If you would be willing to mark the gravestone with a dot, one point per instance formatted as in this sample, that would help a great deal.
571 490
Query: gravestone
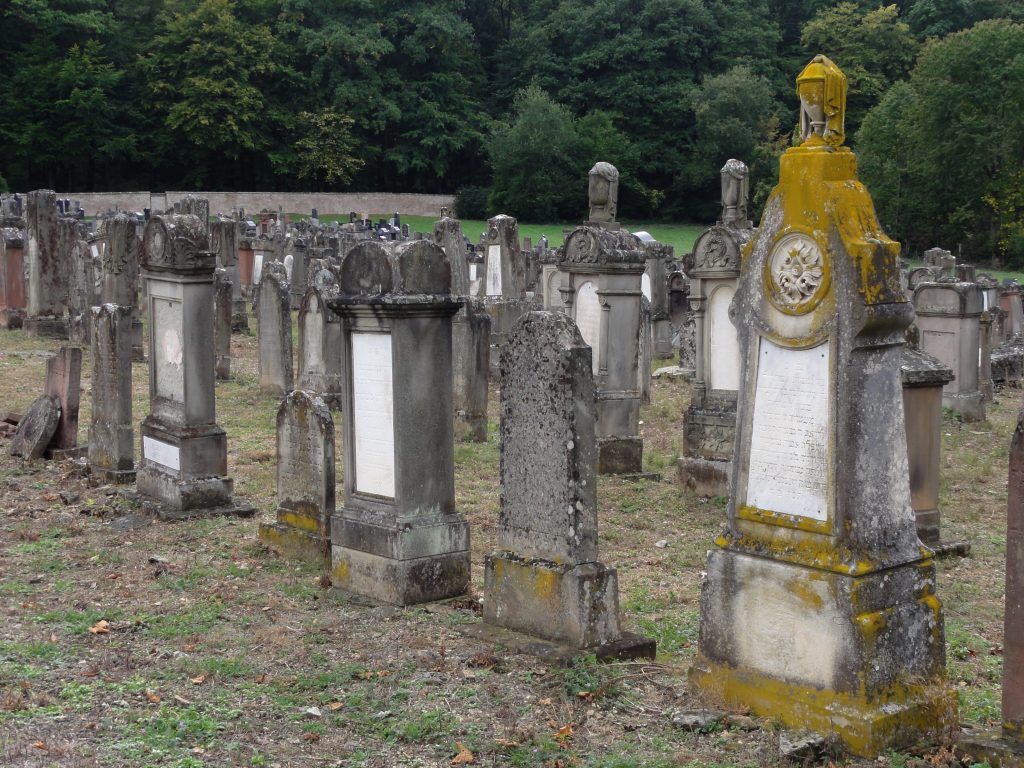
47 270
12 276
545 578
923 379
645 344
81 291
600 271
226 240
656 274
36 428
471 338
64 382
819 608
121 274
1013 627
321 347
709 430
246 264
184 451
223 311
274 325
111 438
191 205
949 318
305 479
300 268
398 537
503 280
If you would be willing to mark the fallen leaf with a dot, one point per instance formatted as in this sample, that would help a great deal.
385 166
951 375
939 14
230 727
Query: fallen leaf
585 695
334 706
198 679
464 757
101 627
39 745
153 697
506 743
90 673
261 679
564 732
545 702
310 736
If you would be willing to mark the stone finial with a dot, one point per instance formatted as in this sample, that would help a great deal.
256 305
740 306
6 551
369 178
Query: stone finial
735 190
821 87
603 192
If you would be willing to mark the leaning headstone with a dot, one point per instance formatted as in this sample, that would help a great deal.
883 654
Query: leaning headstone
305 479
819 608
398 537
222 315
111 436
545 578
274 325
184 451
47 273
36 428
64 382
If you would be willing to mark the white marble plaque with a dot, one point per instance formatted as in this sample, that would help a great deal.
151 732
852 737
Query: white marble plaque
373 414
588 319
494 270
645 285
257 267
472 273
723 346
788 471
170 352
164 454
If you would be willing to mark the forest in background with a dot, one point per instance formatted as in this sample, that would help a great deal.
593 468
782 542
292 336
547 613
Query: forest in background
509 102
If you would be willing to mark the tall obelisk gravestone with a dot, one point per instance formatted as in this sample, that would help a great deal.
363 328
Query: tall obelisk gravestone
819 606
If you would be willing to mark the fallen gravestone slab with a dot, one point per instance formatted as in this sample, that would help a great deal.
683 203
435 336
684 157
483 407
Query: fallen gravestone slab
36 428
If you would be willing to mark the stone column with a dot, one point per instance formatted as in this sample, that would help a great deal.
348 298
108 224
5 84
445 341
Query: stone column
274 325
111 438
923 379
949 318
47 272
819 608
223 305
184 451
545 578
600 288
305 480
398 537
12 277
985 385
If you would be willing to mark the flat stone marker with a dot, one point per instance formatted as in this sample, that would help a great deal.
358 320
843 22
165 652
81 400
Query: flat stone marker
36 428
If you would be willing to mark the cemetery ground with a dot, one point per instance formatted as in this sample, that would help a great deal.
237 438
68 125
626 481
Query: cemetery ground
129 642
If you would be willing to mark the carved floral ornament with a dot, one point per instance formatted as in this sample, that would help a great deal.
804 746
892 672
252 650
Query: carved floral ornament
716 249
796 274
176 244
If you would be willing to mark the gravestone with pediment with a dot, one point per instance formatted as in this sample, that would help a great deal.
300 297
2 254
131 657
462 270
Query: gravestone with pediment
398 537
184 452
709 430
819 607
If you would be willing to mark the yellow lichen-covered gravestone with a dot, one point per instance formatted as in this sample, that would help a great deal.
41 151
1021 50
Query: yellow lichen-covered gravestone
819 606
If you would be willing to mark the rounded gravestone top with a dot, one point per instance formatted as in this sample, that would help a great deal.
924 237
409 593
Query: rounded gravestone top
596 245
36 428
373 270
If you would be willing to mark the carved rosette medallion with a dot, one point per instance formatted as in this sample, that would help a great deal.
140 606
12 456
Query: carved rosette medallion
581 247
796 274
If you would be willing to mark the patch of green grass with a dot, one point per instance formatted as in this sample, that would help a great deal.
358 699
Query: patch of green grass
673 632
78 621
77 696
425 726
198 619
155 737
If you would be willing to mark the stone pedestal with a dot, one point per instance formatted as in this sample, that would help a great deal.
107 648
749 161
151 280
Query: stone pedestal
398 538
111 437
12 277
949 318
184 451
600 273
819 606
923 379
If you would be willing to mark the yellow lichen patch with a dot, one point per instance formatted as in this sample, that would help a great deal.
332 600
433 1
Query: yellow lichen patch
298 519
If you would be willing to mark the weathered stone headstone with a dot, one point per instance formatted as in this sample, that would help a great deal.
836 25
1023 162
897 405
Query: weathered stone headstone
398 537
321 347
36 428
1013 627
64 382
191 205
184 451
111 437
12 276
600 273
222 315
305 479
819 606
47 271
545 578
121 274
81 291
709 431
226 241
274 325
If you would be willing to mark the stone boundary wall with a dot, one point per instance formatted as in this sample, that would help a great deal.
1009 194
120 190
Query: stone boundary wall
372 203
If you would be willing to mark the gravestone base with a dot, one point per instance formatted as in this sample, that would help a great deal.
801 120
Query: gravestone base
627 647
993 749
928 525
239 317
407 562
62 454
171 515
46 327
620 455
471 427
104 476
291 538
12 319
970 405
860 657
705 477
663 349
576 605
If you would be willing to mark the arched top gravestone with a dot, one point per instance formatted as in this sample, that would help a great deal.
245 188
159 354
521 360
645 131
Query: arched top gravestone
375 271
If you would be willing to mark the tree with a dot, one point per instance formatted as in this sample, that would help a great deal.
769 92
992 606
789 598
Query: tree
874 48
323 151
